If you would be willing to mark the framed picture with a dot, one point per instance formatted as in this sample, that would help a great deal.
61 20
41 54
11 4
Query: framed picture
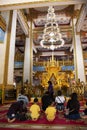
2 34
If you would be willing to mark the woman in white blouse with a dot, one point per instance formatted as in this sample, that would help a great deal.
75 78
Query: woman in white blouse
59 100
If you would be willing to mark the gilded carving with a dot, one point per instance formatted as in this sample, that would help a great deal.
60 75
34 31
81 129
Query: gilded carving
55 74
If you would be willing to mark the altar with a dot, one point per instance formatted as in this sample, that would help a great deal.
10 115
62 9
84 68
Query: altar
51 70
55 74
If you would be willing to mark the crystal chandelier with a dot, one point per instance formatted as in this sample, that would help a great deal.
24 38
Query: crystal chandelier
52 37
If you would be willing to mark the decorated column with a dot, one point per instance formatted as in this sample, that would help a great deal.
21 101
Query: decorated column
12 48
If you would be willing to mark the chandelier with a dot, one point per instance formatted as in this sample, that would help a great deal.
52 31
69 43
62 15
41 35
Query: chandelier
52 38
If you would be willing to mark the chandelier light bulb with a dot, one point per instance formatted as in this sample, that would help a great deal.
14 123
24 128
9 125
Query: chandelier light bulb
51 34
51 40
52 47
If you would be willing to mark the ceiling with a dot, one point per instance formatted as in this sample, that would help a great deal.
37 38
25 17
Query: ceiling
64 16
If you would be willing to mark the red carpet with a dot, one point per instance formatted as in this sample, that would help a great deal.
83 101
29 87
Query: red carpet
15 129
59 120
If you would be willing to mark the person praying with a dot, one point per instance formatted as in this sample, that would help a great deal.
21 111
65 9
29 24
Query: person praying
50 89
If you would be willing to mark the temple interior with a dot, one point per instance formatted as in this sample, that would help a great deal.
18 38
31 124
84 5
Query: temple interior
42 41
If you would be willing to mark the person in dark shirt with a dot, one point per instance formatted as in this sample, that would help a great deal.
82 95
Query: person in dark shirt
85 110
15 110
45 100
73 106
50 89
84 113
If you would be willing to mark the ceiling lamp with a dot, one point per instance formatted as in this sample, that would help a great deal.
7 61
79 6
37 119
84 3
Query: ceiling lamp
52 37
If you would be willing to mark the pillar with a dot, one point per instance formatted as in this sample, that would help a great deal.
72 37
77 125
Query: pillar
10 75
26 71
3 47
79 61
28 57
31 52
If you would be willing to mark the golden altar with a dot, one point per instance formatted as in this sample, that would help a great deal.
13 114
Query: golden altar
54 73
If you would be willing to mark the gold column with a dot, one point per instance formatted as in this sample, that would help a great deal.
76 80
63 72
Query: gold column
5 75
7 49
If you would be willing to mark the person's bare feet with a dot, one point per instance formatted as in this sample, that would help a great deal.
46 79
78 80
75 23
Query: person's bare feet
11 120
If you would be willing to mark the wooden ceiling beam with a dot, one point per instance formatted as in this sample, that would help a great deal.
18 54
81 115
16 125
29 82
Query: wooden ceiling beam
23 22
62 28
21 4
2 23
81 18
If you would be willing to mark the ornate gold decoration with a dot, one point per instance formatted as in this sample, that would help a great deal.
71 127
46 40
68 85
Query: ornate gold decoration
78 87
54 73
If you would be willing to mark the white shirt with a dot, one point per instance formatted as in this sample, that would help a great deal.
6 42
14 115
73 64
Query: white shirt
60 99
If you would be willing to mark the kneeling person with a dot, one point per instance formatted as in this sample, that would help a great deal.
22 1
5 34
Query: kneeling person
50 112
35 110
15 111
